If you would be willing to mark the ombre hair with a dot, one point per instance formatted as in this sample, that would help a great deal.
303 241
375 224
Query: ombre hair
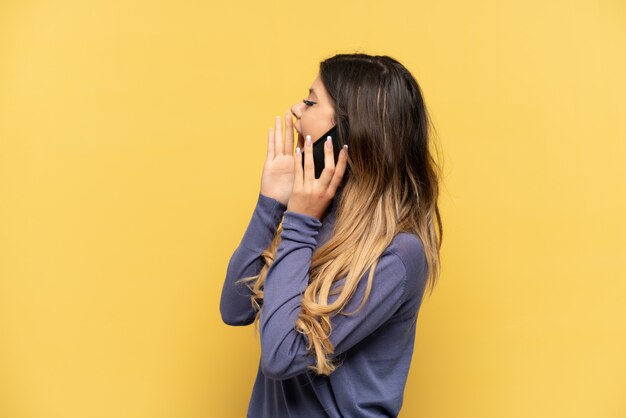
391 186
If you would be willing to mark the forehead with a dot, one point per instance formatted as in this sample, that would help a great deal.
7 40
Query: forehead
317 88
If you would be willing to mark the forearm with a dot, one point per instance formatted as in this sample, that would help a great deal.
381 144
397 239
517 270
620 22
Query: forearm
246 261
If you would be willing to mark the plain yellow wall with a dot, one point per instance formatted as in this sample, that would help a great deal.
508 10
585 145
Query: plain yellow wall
132 139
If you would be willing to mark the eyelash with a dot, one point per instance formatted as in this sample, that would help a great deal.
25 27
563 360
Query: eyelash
308 102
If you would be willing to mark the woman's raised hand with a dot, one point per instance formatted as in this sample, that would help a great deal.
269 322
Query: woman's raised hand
311 196
278 171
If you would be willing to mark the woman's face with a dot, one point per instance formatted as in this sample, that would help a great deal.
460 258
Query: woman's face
316 117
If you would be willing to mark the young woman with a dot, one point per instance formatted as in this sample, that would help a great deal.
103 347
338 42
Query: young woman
333 267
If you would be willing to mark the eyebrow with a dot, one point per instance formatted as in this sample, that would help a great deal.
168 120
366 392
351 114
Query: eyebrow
312 92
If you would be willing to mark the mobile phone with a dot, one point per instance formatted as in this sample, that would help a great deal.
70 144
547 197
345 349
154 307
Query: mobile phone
318 150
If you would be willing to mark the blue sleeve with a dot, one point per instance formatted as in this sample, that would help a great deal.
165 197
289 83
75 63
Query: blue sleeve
284 351
235 304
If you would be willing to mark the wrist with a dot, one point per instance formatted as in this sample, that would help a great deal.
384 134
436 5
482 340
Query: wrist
302 213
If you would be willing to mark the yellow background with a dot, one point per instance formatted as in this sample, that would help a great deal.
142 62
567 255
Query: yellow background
132 139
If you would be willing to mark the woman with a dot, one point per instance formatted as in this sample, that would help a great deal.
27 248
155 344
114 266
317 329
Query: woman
334 268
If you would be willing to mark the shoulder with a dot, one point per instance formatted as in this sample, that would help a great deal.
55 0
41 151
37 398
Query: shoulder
409 249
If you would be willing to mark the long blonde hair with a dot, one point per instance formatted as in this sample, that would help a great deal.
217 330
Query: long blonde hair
391 186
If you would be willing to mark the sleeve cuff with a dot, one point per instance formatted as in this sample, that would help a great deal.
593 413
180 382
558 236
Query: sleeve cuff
301 228
270 203
266 217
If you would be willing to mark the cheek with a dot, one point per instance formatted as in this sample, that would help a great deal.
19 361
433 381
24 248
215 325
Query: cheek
307 122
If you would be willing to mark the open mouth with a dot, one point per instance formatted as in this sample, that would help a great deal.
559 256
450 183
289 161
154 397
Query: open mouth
300 141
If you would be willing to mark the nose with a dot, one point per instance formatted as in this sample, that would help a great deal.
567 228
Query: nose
296 110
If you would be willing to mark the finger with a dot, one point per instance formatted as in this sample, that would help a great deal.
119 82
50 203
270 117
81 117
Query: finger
309 165
298 168
278 136
329 162
270 144
342 162
288 132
